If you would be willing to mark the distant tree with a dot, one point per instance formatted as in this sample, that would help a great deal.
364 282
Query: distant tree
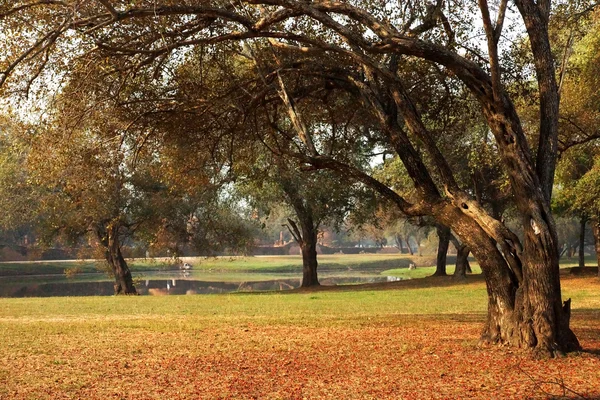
16 198
577 39
313 199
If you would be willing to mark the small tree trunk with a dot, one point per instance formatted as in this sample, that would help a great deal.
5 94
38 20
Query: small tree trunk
582 224
309 252
462 258
309 265
596 231
123 279
410 250
306 237
563 249
462 262
571 250
443 233
398 241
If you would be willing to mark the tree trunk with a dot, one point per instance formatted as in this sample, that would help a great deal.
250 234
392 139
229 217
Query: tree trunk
582 224
309 264
596 231
462 259
524 295
571 250
410 250
524 306
398 241
306 237
309 251
443 233
122 274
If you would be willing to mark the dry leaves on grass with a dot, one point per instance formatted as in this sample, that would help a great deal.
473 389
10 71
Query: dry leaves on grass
411 357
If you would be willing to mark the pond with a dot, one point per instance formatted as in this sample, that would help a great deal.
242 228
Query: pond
175 282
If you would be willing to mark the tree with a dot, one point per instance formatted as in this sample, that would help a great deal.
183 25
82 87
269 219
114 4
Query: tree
313 199
579 119
16 198
366 51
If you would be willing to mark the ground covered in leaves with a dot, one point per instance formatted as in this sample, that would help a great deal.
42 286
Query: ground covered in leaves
403 342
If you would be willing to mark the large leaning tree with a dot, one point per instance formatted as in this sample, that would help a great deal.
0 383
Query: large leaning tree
372 43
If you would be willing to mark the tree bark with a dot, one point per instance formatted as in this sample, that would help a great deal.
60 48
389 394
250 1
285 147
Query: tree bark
309 257
443 233
122 274
582 223
523 311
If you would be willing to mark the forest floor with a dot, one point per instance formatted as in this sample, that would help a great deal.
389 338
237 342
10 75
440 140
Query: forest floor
411 339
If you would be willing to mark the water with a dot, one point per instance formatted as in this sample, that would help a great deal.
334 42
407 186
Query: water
174 282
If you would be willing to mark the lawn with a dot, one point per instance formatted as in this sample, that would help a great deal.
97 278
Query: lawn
414 339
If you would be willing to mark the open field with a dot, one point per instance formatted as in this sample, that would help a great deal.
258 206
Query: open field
413 339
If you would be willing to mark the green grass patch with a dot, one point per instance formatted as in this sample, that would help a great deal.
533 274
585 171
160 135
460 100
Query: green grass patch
266 308
237 264
422 272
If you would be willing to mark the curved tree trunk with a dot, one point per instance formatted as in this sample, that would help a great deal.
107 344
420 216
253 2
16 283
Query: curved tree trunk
524 306
122 274
524 296
443 233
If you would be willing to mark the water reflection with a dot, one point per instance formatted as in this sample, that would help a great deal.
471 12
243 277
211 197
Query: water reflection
169 286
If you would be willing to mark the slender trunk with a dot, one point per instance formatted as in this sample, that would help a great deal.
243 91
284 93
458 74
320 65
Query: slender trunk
398 241
563 249
571 250
596 231
443 233
410 250
582 224
123 279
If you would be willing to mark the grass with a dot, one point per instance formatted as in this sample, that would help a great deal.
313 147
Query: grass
409 339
